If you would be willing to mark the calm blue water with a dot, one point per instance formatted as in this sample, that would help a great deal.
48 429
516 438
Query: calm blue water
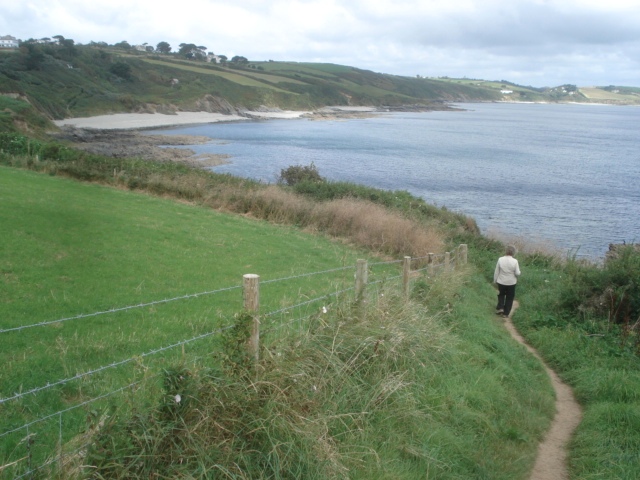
565 174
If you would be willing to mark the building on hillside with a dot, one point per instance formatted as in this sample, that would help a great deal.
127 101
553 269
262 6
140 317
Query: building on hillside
213 58
7 41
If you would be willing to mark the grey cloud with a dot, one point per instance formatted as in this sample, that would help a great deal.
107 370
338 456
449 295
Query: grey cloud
545 42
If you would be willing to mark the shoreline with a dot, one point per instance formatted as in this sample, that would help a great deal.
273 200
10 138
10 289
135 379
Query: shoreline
122 135
149 121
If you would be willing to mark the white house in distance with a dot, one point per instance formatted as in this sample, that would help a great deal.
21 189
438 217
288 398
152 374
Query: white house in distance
7 41
213 58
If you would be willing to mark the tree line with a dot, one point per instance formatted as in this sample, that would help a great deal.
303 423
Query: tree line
189 51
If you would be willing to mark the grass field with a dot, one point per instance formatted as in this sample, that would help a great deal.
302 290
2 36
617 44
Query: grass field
248 80
70 248
604 95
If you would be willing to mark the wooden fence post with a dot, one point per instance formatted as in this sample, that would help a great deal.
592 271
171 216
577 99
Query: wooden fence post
406 273
447 261
430 266
463 253
361 279
251 294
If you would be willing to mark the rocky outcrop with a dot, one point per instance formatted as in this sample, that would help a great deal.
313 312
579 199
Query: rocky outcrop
212 104
132 144
165 109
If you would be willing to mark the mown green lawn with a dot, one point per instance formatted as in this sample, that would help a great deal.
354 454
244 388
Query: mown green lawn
70 248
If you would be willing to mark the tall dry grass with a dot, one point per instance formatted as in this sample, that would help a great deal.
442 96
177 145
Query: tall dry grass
360 222
375 227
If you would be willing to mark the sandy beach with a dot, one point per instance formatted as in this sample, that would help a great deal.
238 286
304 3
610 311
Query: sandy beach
129 121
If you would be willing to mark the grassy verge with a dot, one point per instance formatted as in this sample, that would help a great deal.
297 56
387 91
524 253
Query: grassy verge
362 221
430 388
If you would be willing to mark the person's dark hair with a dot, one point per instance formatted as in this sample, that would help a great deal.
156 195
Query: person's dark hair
511 250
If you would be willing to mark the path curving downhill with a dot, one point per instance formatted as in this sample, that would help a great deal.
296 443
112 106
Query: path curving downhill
551 462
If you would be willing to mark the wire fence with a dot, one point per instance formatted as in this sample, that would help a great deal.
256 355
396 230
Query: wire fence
33 445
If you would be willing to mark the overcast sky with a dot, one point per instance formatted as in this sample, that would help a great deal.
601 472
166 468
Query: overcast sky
530 42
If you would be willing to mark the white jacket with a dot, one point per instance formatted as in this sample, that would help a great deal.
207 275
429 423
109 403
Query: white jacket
507 271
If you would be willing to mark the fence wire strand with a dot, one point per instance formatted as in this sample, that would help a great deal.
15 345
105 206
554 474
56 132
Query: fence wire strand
302 275
390 262
275 312
121 309
66 410
112 365
167 300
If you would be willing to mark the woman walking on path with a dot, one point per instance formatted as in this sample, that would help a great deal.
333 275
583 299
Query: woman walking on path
506 276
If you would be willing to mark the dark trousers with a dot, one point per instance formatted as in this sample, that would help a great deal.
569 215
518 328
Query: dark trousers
506 294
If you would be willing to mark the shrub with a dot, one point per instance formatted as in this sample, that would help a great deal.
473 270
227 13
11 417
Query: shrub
121 69
611 290
18 144
300 173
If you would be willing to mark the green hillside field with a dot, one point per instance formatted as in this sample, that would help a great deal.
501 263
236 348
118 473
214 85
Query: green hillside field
470 402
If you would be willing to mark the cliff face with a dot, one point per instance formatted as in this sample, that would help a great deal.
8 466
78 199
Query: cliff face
207 103
212 104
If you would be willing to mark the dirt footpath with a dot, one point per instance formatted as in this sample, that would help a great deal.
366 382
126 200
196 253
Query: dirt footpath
551 463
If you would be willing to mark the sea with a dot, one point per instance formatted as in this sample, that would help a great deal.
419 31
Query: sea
560 176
